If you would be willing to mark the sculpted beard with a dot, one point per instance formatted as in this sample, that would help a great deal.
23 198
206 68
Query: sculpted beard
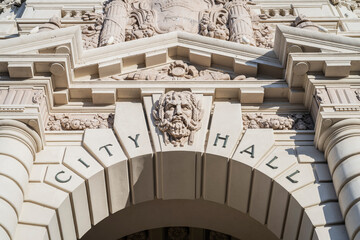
179 127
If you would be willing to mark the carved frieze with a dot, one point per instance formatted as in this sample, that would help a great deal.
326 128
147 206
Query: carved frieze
58 122
286 122
178 116
179 70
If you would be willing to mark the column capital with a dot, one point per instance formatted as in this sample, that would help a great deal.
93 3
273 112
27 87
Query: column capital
334 123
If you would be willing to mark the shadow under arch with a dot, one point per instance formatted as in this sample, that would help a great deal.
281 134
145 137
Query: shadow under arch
167 213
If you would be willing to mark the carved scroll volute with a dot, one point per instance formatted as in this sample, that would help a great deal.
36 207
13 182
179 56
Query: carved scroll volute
114 24
240 23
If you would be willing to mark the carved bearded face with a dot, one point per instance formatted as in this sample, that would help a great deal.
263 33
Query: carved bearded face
178 116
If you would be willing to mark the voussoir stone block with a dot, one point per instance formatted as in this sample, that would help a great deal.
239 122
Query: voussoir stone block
82 163
51 197
23 232
103 145
133 136
291 180
63 178
276 163
225 132
34 214
248 153
308 196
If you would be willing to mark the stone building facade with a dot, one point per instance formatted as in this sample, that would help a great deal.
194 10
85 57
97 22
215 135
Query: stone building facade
179 120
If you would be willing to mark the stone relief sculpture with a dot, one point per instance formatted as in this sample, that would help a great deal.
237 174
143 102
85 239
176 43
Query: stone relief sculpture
349 4
60 122
178 70
91 32
288 122
178 116
321 96
231 20
9 8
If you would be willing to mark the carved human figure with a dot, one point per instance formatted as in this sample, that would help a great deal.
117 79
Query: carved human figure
178 116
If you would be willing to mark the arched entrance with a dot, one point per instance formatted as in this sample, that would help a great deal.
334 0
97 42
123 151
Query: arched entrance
253 184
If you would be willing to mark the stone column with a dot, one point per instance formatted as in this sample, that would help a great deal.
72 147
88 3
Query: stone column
18 146
240 23
114 24
341 146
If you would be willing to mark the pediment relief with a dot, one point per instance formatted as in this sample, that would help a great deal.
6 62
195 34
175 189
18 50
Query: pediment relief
129 20
180 71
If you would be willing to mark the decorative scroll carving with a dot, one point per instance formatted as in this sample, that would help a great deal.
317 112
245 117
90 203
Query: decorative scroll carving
178 116
214 24
91 32
38 96
60 122
114 23
140 23
178 70
288 122
178 233
137 236
53 24
218 236
303 22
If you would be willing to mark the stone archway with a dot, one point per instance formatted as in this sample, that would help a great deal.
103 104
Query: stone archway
263 182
